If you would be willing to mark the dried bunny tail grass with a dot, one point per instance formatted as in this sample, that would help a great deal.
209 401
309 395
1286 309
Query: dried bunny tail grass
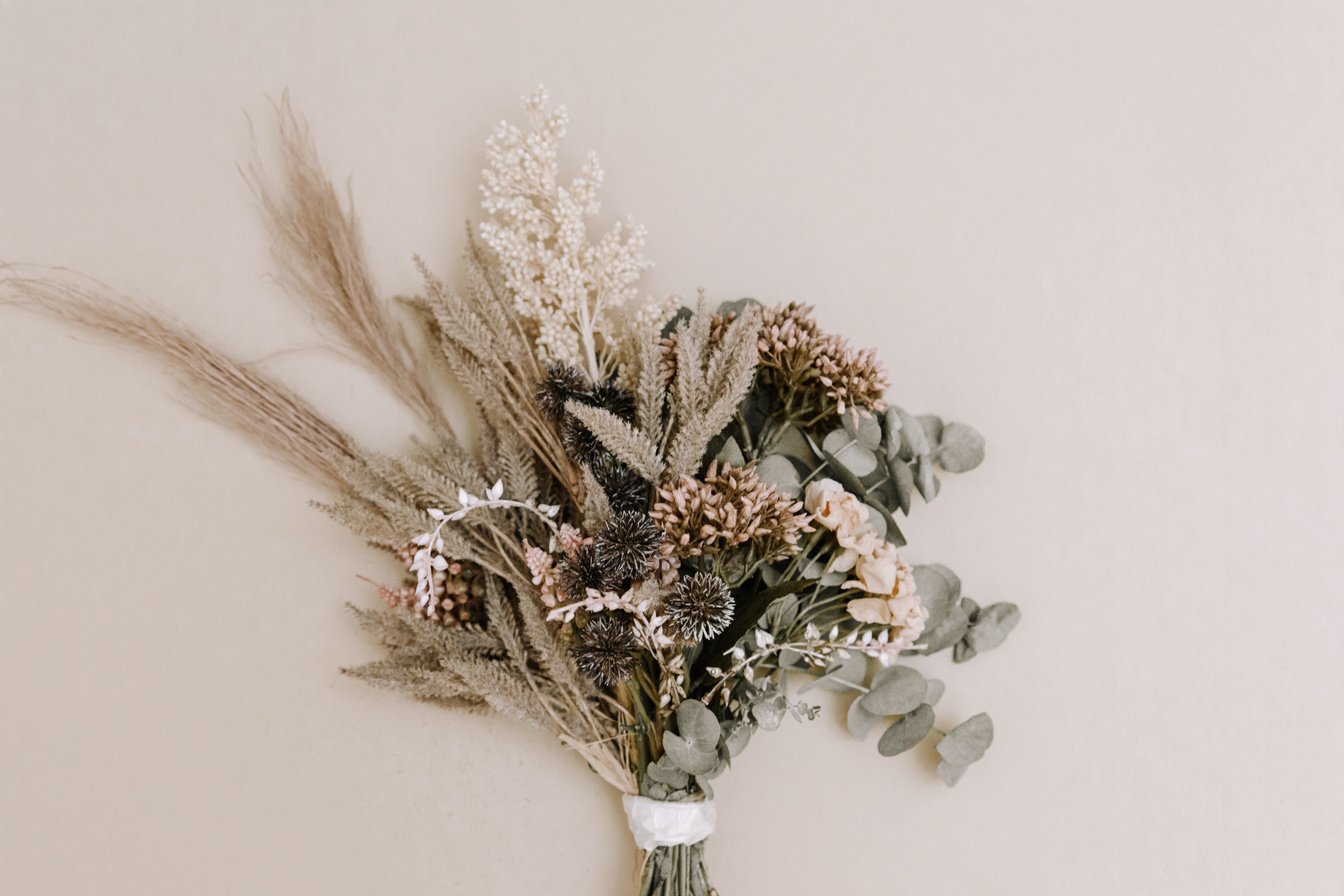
321 257
234 393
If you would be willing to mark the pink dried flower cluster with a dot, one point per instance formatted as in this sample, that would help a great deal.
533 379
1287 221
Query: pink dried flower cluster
818 372
730 506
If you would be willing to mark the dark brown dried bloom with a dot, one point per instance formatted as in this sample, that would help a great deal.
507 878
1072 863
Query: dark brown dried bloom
701 606
607 649
731 506
625 489
575 574
563 383
579 442
627 544
611 397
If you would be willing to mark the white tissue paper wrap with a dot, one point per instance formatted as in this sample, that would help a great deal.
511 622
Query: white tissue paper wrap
657 823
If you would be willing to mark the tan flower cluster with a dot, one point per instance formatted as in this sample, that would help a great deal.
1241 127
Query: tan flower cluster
731 506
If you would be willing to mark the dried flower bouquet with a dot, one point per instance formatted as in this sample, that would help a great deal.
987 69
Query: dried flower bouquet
673 514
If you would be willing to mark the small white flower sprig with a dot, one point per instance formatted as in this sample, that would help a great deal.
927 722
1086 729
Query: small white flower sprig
650 628
815 649
430 558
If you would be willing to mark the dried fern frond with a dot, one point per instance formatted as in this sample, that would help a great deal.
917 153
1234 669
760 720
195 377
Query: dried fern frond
631 447
321 257
223 388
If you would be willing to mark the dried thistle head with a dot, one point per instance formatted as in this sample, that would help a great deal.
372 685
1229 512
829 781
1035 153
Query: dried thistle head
563 383
611 397
577 573
607 649
731 506
701 606
625 489
627 545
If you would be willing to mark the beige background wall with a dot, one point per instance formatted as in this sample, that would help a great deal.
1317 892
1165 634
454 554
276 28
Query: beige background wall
1110 235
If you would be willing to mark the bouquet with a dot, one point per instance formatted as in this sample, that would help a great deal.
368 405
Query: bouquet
676 520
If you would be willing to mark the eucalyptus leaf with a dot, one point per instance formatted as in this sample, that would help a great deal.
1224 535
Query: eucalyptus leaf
967 742
895 690
731 453
877 518
937 592
666 772
891 428
992 626
907 731
833 578
914 440
933 429
891 531
860 721
792 659
903 482
950 774
737 306
952 578
792 443
960 449
926 480
690 759
736 735
867 431
770 712
963 652
851 455
971 607
949 630
934 692
779 471
697 724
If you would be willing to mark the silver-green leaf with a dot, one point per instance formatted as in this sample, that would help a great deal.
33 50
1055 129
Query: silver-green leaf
895 690
967 742
907 731
961 448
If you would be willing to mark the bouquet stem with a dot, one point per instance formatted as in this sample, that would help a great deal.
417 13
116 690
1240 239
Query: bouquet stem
676 871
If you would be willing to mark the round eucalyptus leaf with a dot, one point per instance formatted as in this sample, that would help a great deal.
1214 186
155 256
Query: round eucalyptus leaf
736 737
950 774
967 742
936 592
926 480
779 471
698 726
907 731
992 626
934 692
963 652
903 481
666 772
972 609
877 518
847 452
737 306
947 632
690 759
867 431
731 454
895 690
860 721
891 428
961 448
933 429
769 713
914 440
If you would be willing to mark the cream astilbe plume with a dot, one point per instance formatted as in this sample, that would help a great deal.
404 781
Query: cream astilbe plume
571 289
